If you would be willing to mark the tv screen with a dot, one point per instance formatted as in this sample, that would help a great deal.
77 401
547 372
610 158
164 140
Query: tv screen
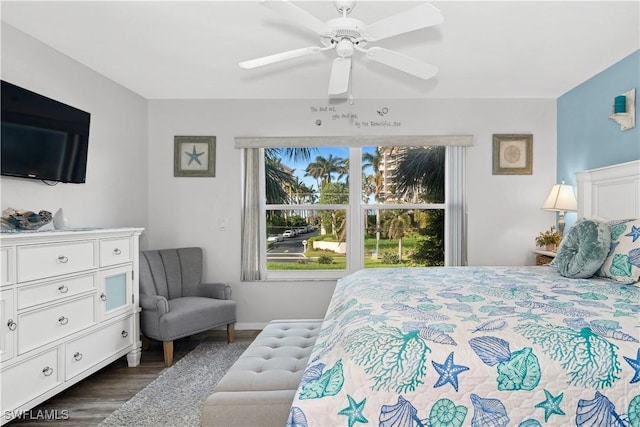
42 138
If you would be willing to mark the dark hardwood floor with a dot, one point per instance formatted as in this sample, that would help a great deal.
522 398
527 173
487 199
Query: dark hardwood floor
93 399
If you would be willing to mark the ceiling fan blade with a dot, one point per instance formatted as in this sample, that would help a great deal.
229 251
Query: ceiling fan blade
278 57
422 16
298 16
402 62
340 73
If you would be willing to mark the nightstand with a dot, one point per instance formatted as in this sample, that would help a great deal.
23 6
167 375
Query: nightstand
544 257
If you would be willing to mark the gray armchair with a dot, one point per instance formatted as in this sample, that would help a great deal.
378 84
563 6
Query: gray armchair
175 303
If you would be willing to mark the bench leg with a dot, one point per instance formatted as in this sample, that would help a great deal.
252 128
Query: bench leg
230 329
167 347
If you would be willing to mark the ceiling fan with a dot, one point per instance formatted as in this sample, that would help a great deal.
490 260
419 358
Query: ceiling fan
347 35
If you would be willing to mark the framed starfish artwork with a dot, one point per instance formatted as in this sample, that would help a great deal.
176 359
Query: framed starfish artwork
512 154
194 156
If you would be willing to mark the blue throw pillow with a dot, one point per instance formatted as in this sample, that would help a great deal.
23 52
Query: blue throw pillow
583 249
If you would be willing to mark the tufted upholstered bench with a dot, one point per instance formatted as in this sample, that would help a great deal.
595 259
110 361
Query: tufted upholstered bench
259 388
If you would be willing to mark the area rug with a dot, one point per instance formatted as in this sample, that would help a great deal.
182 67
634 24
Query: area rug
175 398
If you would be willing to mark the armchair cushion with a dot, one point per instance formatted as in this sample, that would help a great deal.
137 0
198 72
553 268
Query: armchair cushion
190 315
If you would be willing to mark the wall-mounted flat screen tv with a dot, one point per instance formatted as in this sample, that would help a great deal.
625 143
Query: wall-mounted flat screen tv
42 138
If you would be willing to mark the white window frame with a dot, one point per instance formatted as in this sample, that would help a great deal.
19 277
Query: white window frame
454 206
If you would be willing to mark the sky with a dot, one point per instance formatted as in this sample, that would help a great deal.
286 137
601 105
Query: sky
300 166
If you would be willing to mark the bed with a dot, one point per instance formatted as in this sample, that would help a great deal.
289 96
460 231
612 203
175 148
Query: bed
484 346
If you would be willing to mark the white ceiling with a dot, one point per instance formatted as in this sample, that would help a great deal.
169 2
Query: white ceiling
180 49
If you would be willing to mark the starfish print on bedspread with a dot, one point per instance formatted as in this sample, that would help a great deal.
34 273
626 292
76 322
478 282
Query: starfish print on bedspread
448 372
635 364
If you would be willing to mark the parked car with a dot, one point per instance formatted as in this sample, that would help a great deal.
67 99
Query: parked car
275 238
288 233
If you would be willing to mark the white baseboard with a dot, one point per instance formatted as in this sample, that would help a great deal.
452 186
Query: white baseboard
244 326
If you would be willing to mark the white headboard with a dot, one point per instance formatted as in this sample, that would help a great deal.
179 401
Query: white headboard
611 192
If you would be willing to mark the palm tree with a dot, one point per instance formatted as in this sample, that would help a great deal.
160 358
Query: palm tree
421 172
373 160
333 193
343 171
323 169
368 187
377 184
277 180
277 176
300 193
291 153
397 230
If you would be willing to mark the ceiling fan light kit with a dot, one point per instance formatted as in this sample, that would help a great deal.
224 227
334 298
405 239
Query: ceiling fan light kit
346 35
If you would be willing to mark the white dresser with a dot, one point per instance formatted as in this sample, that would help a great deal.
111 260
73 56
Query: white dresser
68 307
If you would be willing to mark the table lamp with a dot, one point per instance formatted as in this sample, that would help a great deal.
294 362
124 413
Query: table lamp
561 199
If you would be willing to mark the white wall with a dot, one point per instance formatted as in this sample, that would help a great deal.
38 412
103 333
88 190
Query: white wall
504 211
115 194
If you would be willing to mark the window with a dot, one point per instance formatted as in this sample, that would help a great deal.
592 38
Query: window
306 208
325 211
404 192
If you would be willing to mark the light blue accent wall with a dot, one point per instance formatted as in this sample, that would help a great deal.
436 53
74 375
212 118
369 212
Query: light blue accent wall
587 138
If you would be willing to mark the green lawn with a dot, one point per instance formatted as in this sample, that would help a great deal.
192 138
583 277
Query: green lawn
339 260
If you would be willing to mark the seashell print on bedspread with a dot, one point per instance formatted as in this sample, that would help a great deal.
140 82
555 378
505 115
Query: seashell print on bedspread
474 346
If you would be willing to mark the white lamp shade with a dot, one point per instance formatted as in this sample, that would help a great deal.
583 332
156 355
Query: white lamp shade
561 198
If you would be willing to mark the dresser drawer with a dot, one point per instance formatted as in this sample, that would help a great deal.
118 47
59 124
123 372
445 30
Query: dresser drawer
39 327
29 379
29 296
85 352
37 262
115 251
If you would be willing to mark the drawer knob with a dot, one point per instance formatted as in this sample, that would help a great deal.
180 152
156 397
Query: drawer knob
103 297
47 371
77 356
63 289
117 251
12 325
63 320
63 259
124 334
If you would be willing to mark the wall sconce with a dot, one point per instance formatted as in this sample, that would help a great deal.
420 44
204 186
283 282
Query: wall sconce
624 110
561 199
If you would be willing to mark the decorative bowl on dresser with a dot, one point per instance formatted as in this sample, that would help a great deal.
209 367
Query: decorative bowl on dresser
68 307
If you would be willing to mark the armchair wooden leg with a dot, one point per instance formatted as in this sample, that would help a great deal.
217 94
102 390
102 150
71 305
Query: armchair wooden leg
167 347
146 343
230 329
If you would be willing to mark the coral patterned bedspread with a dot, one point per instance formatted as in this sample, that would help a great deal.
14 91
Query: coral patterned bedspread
478 346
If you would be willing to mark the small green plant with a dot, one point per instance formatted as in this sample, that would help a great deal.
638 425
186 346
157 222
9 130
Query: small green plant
390 258
549 237
325 259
